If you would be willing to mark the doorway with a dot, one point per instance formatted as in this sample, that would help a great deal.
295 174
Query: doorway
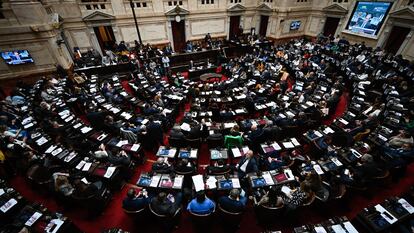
264 19
234 27
105 36
331 25
178 31
396 38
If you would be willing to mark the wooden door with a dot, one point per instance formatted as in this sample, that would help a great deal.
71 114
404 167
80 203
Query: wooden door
264 19
178 31
331 25
105 36
396 38
234 26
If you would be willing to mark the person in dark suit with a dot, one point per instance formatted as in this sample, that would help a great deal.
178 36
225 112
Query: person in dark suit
177 134
363 173
234 202
195 132
184 166
154 132
247 165
164 204
255 133
134 201
162 166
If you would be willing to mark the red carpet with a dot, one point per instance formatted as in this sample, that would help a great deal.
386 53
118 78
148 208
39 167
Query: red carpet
113 216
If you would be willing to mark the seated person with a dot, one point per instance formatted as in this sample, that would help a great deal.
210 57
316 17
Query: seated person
363 173
201 204
406 151
177 134
164 204
255 133
247 165
235 130
402 138
120 158
162 166
62 184
111 126
272 198
313 180
275 161
134 201
234 202
296 197
184 166
87 190
218 167
101 153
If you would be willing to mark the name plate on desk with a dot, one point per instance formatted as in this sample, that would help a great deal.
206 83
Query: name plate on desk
8 205
41 141
386 215
407 206
33 219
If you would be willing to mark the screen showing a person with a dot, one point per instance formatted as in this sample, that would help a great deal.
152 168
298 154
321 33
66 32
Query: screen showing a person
368 17
17 57
295 25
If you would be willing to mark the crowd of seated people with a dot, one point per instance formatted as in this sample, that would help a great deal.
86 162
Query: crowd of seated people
283 96
290 91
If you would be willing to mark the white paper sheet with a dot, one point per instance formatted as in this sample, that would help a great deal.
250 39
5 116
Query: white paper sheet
86 167
109 172
211 182
155 180
135 147
236 182
198 182
406 205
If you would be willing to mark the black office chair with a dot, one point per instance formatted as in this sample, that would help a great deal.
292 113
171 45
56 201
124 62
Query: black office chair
214 142
230 220
266 215
165 222
194 143
202 222
176 142
137 214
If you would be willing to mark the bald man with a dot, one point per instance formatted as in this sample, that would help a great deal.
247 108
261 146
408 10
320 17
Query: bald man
247 165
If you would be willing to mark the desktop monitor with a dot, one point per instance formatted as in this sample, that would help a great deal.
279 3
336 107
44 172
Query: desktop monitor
17 57
368 17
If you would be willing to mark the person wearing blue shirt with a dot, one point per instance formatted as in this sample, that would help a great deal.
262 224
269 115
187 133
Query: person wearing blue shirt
234 202
201 204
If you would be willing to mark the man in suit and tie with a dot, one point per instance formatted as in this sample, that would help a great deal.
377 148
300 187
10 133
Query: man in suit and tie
247 165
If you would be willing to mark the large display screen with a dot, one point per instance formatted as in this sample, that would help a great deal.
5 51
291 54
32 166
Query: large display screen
368 17
295 25
17 57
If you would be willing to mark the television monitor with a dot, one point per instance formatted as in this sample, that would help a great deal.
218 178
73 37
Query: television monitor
368 17
17 57
295 25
